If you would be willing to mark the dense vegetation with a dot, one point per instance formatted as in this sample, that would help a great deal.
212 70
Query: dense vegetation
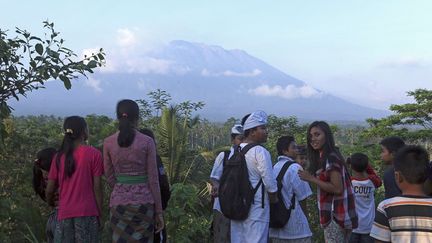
188 146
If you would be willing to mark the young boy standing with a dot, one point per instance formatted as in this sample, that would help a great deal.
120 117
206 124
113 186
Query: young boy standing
297 228
389 147
364 189
408 217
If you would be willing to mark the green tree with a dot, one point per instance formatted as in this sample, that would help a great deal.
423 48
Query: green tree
27 62
412 121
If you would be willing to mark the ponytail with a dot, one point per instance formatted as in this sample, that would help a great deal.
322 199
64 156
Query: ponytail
75 129
127 115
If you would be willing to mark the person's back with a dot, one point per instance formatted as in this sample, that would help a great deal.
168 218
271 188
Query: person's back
76 192
364 189
406 218
77 170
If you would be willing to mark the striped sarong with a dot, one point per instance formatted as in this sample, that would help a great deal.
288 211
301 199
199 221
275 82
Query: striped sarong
51 226
132 223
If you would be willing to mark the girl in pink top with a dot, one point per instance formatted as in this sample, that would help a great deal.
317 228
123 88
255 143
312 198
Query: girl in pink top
131 170
76 170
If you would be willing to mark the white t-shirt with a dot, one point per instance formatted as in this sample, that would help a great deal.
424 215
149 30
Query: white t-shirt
297 226
364 190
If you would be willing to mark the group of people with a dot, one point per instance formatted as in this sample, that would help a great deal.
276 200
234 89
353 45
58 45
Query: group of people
345 189
70 180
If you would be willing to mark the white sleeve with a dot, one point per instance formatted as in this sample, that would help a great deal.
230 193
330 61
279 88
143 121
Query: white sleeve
265 168
301 188
217 170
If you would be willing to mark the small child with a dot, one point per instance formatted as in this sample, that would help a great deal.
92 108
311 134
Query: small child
408 217
364 189
389 147
301 157
41 169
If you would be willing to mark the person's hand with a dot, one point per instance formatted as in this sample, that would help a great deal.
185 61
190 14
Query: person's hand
159 224
214 189
305 175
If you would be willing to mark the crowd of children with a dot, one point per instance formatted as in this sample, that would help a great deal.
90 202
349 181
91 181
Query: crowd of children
250 193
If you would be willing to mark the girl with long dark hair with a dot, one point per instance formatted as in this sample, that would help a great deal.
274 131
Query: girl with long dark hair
41 168
335 195
131 170
76 171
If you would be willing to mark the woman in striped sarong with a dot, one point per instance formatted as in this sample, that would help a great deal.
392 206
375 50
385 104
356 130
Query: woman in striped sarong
131 170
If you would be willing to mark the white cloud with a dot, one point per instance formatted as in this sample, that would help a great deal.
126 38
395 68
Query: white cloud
94 84
404 62
126 37
288 92
229 73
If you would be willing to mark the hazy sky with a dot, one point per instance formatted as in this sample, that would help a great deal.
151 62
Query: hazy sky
370 52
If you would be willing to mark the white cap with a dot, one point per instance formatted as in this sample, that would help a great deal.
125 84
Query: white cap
237 129
256 119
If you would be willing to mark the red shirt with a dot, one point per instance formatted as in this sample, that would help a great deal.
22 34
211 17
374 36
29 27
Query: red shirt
77 198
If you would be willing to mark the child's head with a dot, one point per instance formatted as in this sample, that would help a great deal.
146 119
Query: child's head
286 145
127 115
358 162
41 167
389 147
75 131
411 165
237 134
301 157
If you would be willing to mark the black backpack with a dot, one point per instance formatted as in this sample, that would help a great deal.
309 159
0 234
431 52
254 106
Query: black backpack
279 214
236 193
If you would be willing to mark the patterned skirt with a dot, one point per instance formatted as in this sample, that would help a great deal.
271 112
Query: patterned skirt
51 226
132 223
77 230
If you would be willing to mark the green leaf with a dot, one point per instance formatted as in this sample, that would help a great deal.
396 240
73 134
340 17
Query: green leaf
92 64
66 81
39 48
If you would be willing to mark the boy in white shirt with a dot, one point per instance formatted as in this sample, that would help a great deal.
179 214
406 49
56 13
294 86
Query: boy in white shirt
364 190
297 228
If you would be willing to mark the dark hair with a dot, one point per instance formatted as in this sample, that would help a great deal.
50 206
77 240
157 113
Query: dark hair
329 146
412 162
393 143
358 161
127 115
42 162
74 129
283 143
301 150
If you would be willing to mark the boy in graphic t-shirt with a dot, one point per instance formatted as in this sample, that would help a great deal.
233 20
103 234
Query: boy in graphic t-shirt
364 181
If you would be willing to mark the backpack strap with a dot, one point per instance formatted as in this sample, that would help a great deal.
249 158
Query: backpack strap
248 146
225 158
279 178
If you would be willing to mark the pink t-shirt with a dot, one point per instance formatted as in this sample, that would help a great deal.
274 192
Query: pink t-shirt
77 198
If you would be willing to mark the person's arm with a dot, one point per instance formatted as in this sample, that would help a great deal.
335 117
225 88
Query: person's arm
373 176
153 181
49 192
334 186
265 168
108 166
300 188
216 173
98 192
